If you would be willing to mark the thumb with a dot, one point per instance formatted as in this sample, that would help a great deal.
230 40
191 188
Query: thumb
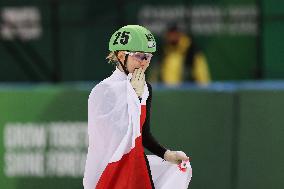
181 155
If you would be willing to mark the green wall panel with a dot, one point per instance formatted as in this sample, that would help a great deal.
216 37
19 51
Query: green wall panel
182 120
235 137
40 105
261 140
201 124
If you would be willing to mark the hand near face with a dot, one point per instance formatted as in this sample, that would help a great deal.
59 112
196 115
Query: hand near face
138 81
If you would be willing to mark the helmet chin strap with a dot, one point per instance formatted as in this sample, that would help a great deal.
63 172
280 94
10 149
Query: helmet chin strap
123 65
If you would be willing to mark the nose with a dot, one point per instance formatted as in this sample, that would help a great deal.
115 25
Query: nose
144 62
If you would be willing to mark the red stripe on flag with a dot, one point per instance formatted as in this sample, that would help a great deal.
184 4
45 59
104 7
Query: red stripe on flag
130 172
142 116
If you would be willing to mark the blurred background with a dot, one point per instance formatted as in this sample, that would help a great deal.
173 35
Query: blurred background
217 79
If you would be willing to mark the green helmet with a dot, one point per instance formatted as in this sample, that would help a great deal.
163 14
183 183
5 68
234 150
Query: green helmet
132 38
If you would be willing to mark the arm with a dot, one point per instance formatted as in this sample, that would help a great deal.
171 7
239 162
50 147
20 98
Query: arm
151 144
148 140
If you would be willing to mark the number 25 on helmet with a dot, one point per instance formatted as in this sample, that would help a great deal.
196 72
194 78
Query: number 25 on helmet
132 38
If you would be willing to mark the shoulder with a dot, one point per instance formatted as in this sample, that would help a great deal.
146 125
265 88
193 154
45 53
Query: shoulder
103 86
102 90
102 99
100 87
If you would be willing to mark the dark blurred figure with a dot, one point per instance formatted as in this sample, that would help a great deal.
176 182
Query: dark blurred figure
180 60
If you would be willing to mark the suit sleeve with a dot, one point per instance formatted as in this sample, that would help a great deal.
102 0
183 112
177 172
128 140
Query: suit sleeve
148 140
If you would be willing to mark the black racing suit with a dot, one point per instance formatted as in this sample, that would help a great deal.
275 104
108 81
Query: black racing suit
148 140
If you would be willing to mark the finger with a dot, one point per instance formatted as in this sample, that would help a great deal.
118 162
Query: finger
140 70
144 68
143 78
139 74
183 158
135 72
182 155
134 75
179 161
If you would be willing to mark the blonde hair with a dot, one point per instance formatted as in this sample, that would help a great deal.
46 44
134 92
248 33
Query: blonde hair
112 58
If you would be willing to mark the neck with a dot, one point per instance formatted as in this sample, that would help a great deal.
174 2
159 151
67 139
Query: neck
120 68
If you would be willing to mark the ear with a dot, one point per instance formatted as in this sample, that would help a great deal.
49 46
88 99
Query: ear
121 56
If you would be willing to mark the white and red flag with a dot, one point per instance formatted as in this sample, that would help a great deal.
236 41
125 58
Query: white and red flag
115 158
